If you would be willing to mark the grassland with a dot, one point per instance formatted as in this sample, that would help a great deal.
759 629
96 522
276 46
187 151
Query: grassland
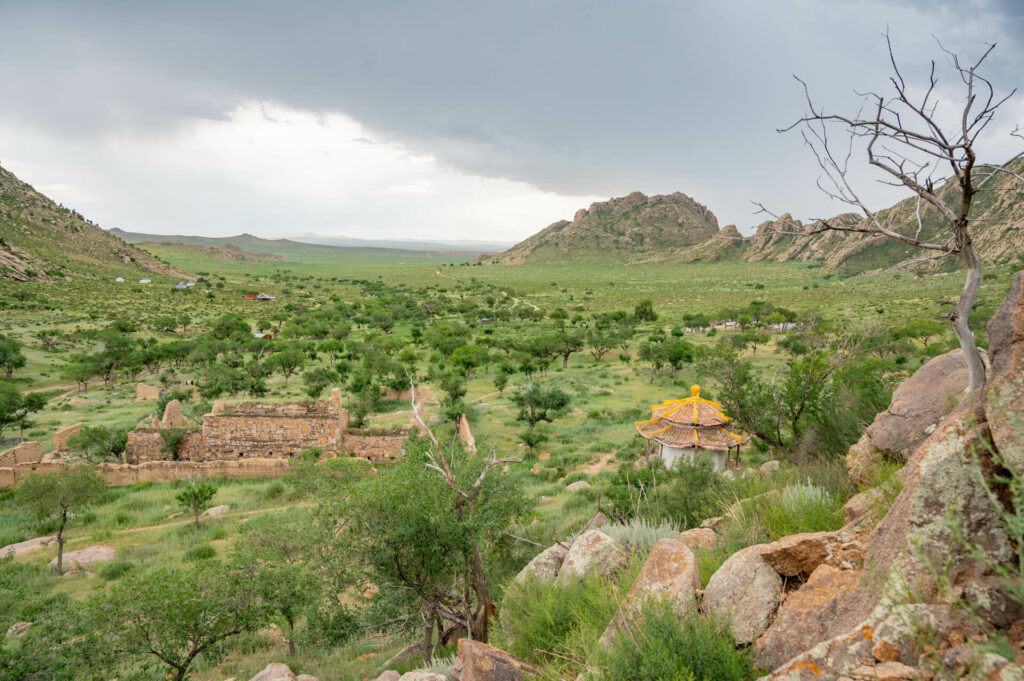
144 523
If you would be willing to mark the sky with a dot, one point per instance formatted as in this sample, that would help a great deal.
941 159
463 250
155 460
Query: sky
471 120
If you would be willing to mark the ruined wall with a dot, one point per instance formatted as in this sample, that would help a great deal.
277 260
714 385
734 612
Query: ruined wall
169 471
144 445
235 436
25 452
375 446
11 476
61 437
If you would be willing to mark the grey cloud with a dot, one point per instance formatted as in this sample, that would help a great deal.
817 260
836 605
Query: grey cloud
587 97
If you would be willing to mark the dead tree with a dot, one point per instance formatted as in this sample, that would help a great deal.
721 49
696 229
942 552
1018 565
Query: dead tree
915 146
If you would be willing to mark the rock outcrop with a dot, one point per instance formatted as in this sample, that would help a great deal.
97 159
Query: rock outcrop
746 591
545 565
86 557
593 552
947 495
918 404
476 661
669 573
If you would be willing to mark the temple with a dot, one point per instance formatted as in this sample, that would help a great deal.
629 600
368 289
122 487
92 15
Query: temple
690 427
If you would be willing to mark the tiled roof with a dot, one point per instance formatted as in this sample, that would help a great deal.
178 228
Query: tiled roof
690 422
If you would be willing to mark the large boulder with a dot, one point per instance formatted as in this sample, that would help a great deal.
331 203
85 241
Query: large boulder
86 557
422 675
1004 407
545 565
669 573
800 554
145 392
746 591
389 675
946 494
478 661
25 546
918 404
807 612
592 552
275 671
698 538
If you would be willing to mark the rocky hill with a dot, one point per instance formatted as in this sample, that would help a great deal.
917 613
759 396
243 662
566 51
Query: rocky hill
227 252
40 240
998 213
636 227
675 228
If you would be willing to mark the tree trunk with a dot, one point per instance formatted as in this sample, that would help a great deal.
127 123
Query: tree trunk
428 636
291 638
478 627
961 317
60 543
10 372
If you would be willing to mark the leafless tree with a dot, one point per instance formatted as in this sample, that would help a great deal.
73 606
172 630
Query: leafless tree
916 146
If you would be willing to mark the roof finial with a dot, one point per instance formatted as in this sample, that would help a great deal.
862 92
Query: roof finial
694 390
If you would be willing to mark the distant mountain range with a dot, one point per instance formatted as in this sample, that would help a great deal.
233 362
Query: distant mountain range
676 228
40 240
284 247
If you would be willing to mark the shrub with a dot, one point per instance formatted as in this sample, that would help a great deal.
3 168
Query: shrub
684 496
639 534
659 648
116 569
201 552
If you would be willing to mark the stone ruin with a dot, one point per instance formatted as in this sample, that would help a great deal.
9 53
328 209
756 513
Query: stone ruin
260 431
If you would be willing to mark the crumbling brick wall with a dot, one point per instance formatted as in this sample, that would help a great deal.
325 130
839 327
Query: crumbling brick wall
22 453
144 445
61 437
375 446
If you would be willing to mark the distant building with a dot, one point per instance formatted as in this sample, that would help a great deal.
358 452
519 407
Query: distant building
120 280
145 281
691 427
261 335
265 297
250 296
181 286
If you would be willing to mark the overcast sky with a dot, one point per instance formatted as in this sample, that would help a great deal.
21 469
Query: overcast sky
449 120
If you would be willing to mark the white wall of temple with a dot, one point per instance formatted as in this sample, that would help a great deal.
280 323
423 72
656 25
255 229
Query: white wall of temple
671 455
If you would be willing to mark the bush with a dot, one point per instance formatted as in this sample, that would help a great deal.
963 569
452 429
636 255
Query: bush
201 552
683 496
639 534
116 569
658 648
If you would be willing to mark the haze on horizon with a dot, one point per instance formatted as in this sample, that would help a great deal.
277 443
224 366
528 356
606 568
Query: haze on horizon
450 121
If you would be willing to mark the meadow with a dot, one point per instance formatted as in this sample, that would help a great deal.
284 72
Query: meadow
396 312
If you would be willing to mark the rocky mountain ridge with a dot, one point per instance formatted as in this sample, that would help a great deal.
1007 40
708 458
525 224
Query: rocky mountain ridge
41 239
676 228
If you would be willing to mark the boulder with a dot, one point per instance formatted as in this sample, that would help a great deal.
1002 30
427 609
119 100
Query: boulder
800 554
173 418
24 546
578 485
389 675
477 661
18 628
599 520
592 552
918 404
545 565
146 393
422 675
699 538
216 511
306 677
275 671
1005 389
807 614
746 590
769 467
669 573
83 558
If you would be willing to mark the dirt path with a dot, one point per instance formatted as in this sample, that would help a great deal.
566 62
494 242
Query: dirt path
186 521
602 464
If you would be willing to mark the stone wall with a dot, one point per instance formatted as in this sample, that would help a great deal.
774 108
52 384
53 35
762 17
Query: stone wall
23 453
12 475
236 436
169 471
146 393
375 446
61 437
144 445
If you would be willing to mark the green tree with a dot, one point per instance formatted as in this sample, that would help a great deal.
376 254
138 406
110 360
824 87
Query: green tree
195 497
15 408
286 361
59 496
170 616
11 357
99 443
537 403
317 380
274 553
643 311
